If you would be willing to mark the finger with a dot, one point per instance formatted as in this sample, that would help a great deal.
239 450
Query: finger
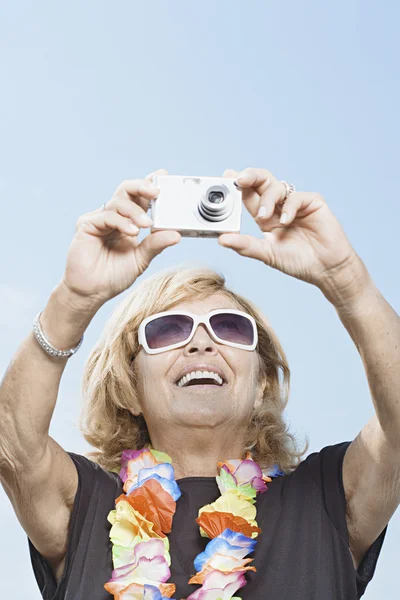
272 196
140 191
128 208
250 197
254 182
104 222
153 244
158 172
247 245
230 173
258 179
300 204
138 187
142 203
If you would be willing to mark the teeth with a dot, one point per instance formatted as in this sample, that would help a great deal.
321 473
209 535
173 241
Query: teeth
199 375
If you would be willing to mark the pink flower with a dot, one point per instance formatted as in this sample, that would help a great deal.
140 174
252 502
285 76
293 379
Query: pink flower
219 585
148 566
246 472
136 459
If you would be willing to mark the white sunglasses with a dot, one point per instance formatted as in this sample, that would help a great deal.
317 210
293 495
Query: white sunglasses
171 329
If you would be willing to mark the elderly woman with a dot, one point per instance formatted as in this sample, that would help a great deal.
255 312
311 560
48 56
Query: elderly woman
196 488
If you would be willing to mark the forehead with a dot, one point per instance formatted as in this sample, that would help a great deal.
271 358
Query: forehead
203 306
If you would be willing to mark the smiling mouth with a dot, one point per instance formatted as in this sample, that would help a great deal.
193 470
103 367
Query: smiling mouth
205 383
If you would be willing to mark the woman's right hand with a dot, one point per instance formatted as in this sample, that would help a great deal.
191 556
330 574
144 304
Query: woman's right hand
105 256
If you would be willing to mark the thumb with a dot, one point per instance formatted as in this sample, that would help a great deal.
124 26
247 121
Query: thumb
230 173
156 242
247 245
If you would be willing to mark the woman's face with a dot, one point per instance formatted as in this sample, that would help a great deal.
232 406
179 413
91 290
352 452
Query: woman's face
165 404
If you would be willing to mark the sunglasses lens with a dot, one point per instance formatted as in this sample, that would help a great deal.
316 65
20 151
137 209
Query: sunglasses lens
168 330
233 328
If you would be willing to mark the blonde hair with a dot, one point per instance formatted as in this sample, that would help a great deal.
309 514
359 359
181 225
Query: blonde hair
109 382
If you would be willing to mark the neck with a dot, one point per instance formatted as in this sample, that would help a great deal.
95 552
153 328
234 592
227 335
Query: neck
195 453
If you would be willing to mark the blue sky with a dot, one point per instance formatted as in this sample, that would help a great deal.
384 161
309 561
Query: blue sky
97 92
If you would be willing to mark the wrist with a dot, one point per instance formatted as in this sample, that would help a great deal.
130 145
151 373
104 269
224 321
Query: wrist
77 302
66 317
347 283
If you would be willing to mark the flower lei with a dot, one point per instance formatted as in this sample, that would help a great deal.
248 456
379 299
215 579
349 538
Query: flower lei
143 516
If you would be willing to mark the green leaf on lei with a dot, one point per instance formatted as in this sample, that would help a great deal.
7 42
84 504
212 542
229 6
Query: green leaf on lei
226 480
160 456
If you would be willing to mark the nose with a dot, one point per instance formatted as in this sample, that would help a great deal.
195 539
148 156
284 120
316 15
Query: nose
201 342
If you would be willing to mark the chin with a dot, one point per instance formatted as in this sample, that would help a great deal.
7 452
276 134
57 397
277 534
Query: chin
205 416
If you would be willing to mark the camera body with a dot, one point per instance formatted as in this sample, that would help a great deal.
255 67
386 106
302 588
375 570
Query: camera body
196 206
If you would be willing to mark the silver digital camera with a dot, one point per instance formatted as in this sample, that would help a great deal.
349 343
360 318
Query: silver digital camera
196 206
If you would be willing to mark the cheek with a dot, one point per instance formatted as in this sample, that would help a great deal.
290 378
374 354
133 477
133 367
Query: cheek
245 365
152 372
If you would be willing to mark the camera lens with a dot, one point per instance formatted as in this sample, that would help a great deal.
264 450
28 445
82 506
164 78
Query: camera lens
216 204
216 197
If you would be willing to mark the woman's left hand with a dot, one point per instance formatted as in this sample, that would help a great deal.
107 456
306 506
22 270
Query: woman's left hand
311 245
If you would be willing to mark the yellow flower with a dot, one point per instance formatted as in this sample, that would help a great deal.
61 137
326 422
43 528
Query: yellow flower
233 502
128 525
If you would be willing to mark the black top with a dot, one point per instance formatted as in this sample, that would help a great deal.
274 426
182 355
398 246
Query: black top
301 554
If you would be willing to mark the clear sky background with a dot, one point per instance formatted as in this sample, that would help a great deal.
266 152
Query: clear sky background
97 92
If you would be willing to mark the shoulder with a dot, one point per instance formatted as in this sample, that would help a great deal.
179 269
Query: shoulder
321 473
92 476
327 462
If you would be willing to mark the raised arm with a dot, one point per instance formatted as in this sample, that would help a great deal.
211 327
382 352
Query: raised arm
302 238
104 259
38 476
30 385
371 467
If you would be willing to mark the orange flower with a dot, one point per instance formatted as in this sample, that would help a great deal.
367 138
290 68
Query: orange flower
214 523
154 504
241 567
128 524
135 590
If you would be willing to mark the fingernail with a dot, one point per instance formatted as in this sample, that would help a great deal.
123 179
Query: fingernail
133 227
283 218
144 220
261 211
